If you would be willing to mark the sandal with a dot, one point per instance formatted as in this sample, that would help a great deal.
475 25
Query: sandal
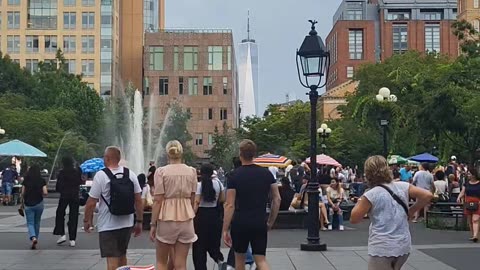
34 243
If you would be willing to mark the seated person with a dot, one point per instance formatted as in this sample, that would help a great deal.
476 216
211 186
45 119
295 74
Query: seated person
335 196
286 193
321 206
147 198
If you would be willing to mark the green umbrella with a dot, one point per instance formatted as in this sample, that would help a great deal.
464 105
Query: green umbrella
396 159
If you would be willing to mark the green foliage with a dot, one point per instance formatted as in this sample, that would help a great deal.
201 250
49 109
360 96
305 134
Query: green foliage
225 147
49 106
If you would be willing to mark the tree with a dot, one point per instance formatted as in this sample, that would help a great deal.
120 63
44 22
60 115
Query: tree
225 147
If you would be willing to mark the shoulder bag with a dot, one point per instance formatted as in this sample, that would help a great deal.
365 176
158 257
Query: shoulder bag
396 198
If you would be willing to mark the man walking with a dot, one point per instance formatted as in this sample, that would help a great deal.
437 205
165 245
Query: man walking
9 175
247 195
119 195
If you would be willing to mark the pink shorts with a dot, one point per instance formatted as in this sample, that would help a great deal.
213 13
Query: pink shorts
171 232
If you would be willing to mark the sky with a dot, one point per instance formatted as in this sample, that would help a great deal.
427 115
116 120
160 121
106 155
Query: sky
278 26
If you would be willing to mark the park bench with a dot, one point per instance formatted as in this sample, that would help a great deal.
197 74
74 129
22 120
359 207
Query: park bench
441 214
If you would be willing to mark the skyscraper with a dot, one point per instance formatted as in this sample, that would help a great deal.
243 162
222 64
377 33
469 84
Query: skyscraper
248 75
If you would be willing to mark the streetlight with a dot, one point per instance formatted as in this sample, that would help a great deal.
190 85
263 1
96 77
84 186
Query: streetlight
324 132
384 95
314 60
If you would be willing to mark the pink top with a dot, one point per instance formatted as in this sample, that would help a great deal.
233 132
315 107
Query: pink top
177 182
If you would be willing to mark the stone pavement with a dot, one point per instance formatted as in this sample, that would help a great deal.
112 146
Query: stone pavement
339 258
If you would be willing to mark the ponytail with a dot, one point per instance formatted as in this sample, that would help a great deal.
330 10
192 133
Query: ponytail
208 192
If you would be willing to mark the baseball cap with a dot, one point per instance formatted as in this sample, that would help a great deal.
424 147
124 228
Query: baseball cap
453 158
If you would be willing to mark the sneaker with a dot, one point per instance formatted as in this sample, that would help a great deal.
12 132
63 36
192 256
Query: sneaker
34 243
61 240
330 227
72 243
341 228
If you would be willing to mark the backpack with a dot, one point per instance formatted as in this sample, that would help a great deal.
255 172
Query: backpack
293 173
122 193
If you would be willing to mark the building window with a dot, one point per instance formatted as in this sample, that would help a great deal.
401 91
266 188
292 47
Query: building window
192 86
476 3
207 86
91 86
432 38
432 15
210 139
355 44
476 25
225 85
400 38
398 15
88 68
42 14
354 15
210 114
163 87
69 44
51 44
13 2
106 68
71 66
88 3
180 85
106 44
13 44
13 18
69 3
190 58
175 58
88 44
106 21
223 114
215 57
16 61
199 139
31 65
32 44
229 57
88 20
349 72
146 86
69 20
156 58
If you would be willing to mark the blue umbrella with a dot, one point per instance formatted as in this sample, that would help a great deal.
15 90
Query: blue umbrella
92 165
20 149
425 157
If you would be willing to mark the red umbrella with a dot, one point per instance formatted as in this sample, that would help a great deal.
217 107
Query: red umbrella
325 160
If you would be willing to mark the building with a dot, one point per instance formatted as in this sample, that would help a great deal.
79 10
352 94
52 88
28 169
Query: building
137 17
196 68
86 31
469 10
248 75
377 29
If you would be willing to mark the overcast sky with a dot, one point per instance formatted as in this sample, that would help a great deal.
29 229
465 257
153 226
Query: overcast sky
278 26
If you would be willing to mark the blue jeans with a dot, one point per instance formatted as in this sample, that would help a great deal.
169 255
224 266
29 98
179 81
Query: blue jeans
339 214
33 215
7 188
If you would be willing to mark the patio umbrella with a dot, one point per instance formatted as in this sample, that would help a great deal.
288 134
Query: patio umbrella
325 160
425 157
92 165
271 160
20 149
396 159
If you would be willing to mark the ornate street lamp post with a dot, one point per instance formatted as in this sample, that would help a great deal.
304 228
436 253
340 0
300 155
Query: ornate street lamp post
314 62
385 96
324 132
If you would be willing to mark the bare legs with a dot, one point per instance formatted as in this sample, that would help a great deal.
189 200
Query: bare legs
115 262
473 221
178 256
323 215
260 261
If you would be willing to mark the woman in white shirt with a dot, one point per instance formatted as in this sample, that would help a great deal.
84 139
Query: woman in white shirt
208 220
386 203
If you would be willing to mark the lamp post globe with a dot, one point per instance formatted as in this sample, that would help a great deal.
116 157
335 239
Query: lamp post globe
2 131
385 95
384 92
313 63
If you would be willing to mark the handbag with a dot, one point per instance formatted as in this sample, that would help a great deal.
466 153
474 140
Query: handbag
21 210
471 206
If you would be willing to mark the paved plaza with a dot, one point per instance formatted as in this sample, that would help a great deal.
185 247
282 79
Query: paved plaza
439 250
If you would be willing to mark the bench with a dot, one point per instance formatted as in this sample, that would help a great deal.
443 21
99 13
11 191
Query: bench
294 219
446 211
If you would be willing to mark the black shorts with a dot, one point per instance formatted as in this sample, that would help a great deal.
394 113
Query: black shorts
114 243
242 236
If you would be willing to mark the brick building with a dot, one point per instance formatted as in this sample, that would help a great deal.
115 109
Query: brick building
197 68
469 10
370 31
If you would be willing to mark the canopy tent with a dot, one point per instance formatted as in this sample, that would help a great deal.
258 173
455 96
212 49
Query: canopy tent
92 165
325 160
425 157
17 148
271 160
396 159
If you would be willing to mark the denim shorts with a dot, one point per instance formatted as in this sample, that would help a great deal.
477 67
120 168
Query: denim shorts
7 188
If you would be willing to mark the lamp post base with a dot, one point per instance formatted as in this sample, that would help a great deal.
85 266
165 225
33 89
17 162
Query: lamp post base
313 247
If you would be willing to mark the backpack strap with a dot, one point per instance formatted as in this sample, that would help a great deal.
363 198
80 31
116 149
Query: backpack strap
396 198
110 175
126 173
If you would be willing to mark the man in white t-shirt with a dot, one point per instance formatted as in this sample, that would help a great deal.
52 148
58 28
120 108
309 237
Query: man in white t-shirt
274 171
114 230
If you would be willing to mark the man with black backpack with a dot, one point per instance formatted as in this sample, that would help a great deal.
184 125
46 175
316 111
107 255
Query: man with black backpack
118 193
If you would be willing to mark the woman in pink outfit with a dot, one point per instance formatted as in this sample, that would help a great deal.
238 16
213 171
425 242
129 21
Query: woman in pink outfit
172 213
